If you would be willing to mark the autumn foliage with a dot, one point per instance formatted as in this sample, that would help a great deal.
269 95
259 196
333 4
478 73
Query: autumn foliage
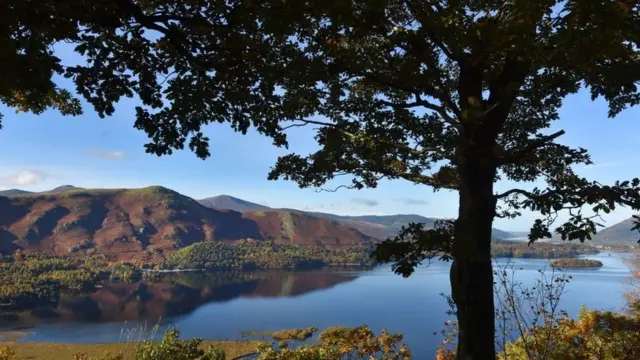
341 343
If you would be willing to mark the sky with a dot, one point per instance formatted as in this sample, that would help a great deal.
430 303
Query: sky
40 152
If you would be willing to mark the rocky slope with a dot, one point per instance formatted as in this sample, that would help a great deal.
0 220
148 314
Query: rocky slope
127 224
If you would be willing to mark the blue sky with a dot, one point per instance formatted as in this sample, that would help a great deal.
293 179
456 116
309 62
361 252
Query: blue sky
45 151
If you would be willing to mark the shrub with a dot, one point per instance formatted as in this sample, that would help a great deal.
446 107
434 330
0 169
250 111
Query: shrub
602 335
172 348
338 343
7 353
294 334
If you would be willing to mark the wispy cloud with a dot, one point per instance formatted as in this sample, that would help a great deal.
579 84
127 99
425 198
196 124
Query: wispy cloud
411 201
108 154
366 202
23 178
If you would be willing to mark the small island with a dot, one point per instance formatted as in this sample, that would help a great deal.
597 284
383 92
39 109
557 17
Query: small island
575 263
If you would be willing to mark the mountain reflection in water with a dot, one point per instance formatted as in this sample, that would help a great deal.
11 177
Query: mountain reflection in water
176 294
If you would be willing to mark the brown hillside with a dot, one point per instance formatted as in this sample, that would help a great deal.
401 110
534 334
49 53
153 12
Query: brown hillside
300 228
145 223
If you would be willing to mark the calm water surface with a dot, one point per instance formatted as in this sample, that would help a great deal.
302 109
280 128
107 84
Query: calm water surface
221 306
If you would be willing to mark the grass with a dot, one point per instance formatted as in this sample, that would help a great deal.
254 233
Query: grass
60 351
130 338
254 333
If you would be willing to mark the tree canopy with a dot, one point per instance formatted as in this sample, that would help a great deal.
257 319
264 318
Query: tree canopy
453 94
384 81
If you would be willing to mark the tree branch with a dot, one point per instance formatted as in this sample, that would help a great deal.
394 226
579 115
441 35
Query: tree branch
441 110
415 152
515 191
147 21
419 15
441 94
532 146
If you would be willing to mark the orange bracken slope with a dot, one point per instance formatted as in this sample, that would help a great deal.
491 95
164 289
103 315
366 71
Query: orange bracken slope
146 223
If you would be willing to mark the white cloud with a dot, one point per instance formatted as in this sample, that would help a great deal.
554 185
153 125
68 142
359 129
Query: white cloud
23 178
108 154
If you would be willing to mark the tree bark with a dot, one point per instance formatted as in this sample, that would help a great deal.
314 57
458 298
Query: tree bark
471 271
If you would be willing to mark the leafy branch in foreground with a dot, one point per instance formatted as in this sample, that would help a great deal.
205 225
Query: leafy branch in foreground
414 244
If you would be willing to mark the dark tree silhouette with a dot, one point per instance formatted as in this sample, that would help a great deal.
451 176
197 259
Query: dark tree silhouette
446 94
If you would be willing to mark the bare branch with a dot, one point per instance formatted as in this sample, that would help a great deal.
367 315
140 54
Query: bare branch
515 191
348 187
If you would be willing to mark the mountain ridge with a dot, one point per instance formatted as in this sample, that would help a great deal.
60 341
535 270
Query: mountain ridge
618 234
19 192
369 226
147 223
377 226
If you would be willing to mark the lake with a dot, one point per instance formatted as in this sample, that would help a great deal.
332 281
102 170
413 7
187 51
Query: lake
222 305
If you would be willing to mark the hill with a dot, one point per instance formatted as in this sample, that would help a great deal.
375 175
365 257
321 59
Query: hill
18 192
14 192
147 223
376 226
231 203
618 234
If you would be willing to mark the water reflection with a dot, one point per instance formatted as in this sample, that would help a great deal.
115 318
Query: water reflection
222 306
178 294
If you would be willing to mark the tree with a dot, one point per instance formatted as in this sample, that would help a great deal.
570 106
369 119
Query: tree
447 94
28 31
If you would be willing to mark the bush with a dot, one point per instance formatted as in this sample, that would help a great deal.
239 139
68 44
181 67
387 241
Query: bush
169 348
338 343
294 334
7 354
172 348
602 335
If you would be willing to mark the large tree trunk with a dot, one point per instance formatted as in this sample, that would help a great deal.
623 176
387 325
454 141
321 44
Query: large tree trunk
471 271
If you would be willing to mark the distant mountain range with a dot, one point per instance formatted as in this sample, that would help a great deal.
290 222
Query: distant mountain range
148 223
15 192
377 226
618 234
